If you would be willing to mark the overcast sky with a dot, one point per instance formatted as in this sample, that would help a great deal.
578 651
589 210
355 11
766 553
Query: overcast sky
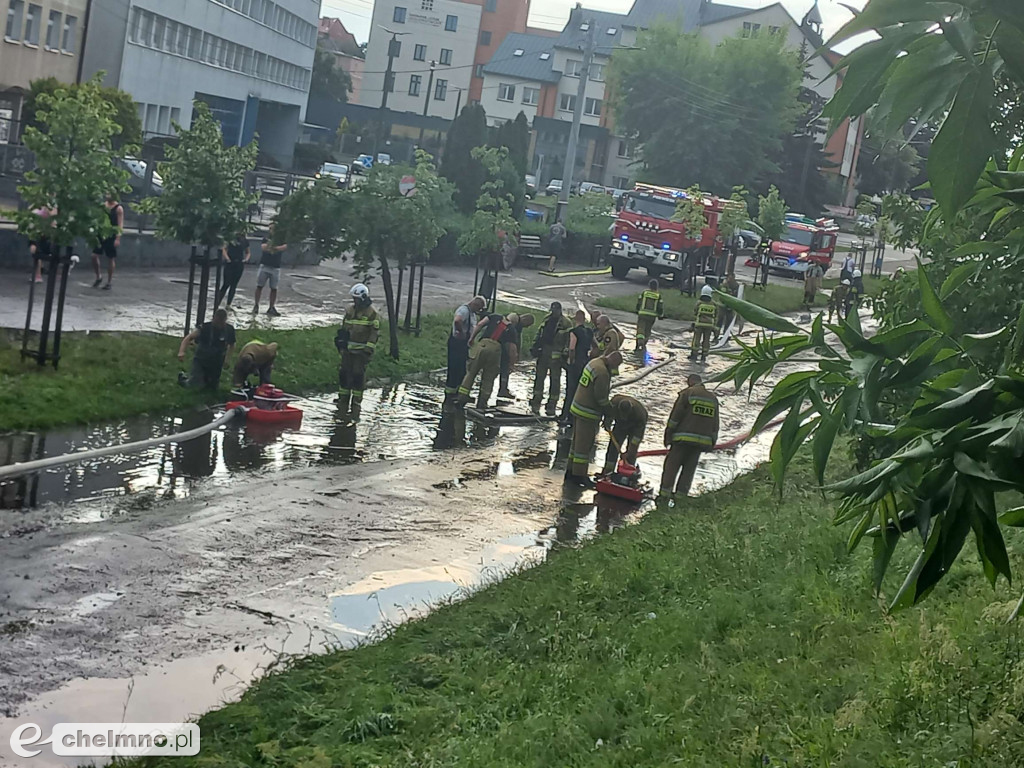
553 13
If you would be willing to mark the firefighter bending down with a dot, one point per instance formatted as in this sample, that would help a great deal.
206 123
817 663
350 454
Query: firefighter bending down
649 307
705 324
356 342
692 429
255 357
590 405
488 337
630 424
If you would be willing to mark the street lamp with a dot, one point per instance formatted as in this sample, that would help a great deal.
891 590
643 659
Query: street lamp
426 101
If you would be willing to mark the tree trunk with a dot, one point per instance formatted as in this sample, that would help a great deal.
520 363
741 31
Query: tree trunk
389 298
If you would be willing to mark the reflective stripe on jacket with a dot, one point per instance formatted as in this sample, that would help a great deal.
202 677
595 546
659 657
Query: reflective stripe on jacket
363 326
707 315
650 304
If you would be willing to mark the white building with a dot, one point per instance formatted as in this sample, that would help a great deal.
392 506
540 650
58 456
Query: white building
250 60
441 34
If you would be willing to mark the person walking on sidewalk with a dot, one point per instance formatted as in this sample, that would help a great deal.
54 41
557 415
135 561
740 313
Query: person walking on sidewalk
550 349
236 256
556 240
214 341
629 418
649 308
581 339
356 342
692 429
458 345
590 405
269 272
108 246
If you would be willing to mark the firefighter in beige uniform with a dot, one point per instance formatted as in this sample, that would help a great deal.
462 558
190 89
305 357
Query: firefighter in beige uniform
590 405
551 348
485 356
630 425
692 429
705 324
356 341
649 307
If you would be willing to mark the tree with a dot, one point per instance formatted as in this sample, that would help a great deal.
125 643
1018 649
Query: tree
690 212
317 213
387 229
771 215
458 164
494 214
204 198
800 180
514 135
125 114
734 213
886 166
72 141
329 81
711 116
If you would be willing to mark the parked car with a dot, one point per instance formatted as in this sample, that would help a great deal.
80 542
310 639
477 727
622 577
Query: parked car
531 184
336 171
137 180
362 164
554 187
589 186
384 158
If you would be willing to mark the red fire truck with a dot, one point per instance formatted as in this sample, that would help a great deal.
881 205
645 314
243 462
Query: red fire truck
645 237
804 241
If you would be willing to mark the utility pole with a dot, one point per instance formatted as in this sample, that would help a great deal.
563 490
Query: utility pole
393 48
426 102
577 117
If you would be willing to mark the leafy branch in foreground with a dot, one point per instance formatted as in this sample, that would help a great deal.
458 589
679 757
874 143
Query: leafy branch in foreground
953 450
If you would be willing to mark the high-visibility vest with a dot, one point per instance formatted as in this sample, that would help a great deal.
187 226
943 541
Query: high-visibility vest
649 301
706 312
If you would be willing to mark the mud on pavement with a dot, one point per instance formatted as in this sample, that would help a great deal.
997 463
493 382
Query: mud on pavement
161 610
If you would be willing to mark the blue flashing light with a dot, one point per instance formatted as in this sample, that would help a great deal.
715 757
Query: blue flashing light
624 238
666 246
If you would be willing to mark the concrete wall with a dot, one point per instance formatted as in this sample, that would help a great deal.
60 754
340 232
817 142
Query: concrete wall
424 27
104 47
136 251
507 16
23 59
499 111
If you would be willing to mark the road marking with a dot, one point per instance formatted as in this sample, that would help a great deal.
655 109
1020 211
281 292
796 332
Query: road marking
579 285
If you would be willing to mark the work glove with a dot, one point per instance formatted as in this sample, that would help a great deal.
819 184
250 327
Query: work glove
341 340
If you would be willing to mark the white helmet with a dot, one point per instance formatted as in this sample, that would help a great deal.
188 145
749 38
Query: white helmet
847 282
707 290
857 273
359 291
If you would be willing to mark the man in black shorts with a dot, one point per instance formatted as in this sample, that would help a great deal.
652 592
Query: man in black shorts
108 246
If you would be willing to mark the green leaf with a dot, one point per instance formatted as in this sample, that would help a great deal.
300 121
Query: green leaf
787 442
1011 47
758 315
964 144
880 14
931 303
857 534
821 446
1014 518
988 537
957 278
883 548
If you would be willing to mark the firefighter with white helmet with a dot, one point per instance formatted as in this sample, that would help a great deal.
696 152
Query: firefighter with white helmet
356 342
837 303
705 323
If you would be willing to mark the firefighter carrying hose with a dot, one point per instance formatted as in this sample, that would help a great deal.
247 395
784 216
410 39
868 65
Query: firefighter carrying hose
649 307
692 429
630 423
705 324
356 342
489 336
590 405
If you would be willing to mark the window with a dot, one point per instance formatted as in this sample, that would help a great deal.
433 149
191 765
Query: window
70 38
15 11
419 53
612 30
399 15
531 96
427 5
774 31
597 73
545 56
567 102
440 90
485 38
592 107
33 21
573 67
53 31
414 85
506 92
446 56
625 151
518 52
479 71
750 29
451 23
490 6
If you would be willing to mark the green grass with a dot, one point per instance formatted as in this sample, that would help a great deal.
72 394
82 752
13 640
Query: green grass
872 285
110 375
736 633
781 299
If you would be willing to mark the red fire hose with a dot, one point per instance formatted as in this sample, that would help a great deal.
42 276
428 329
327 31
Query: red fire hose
726 446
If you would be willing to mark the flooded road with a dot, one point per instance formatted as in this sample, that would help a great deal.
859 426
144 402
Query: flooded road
156 586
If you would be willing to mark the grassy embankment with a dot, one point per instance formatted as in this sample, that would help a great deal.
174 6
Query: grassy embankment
781 299
738 633
111 375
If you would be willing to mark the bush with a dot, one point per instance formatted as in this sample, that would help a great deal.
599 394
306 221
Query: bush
309 157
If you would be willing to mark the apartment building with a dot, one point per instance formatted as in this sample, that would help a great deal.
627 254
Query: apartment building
250 60
348 54
41 39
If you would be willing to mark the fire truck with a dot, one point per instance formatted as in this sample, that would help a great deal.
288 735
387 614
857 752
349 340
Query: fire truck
804 241
645 237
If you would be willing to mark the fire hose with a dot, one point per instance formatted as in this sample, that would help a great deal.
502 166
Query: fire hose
726 446
25 467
